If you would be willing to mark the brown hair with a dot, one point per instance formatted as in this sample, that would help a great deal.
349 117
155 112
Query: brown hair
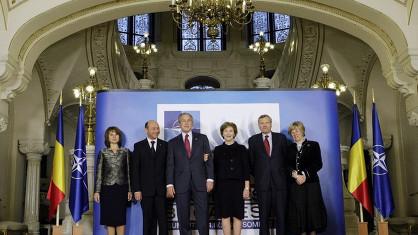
183 114
265 116
117 131
294 125
229 124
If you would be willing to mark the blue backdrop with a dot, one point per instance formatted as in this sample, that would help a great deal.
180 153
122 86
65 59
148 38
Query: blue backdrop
317 109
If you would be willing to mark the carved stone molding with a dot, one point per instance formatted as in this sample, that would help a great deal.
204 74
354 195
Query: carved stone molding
4 115
311 47
412 118
365 66
412 109
15 3
97 51
33 146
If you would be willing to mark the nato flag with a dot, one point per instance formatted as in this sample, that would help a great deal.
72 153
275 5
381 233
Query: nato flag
382 191
79 194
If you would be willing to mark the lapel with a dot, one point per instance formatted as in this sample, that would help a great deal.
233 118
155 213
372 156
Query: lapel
159 146
194 143
147 148
273 143
260 142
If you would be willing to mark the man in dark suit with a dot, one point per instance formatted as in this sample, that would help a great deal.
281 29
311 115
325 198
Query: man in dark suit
148 179
190 174
267 161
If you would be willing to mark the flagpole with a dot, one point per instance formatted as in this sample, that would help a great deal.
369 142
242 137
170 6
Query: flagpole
57 218
360 206
373 95
354 97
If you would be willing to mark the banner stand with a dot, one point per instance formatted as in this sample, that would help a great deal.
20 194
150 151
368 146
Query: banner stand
77 229
382 228
362 228
57 230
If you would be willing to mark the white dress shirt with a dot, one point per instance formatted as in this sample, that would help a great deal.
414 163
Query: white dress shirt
150 144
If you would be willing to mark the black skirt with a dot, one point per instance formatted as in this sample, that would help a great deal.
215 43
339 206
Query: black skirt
113 204
306 212
228 199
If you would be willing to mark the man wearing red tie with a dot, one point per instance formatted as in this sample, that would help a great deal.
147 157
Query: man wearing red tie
190 175
267 161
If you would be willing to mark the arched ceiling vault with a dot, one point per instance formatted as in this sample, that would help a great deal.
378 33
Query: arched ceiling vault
356 19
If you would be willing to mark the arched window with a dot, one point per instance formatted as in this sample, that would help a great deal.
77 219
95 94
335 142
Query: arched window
274 25
195 38
202 83
132 28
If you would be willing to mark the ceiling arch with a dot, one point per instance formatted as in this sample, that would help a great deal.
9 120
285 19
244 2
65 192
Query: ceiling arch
45 29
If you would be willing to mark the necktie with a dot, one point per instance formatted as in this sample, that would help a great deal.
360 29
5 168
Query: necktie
187 146
267 145
152 146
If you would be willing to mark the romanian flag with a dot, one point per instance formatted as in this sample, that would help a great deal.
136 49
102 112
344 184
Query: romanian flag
56 191
357 175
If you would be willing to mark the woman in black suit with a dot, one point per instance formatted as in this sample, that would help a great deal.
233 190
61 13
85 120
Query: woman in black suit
306 212
232 174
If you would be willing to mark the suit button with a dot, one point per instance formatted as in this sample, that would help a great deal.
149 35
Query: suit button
231 160
231 168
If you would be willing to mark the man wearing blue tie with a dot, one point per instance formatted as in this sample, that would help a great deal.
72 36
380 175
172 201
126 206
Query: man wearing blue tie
190 175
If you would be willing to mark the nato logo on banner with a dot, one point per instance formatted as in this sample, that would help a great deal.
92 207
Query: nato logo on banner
172 125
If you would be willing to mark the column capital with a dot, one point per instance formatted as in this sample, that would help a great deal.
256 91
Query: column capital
4 115
31 147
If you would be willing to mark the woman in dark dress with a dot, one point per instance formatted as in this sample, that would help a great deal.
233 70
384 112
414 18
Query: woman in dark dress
112 189
306 212
232 179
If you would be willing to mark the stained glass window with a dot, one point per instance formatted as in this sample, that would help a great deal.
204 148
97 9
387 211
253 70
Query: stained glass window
194 37
274 25
132 28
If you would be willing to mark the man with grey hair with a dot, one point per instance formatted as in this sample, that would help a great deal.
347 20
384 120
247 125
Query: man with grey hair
267 161
190 174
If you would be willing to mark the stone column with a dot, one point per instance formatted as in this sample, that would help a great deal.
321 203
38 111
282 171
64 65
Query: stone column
262 82
33 149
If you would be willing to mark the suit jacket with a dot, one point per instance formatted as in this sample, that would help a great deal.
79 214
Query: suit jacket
268 172
231 162
182 171
309 162
148 169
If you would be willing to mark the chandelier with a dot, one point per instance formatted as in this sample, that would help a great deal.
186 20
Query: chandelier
86 93
212 13
145 49
327 82
261 47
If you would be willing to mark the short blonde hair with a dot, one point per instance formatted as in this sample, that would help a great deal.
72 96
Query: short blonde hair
296 124
229 124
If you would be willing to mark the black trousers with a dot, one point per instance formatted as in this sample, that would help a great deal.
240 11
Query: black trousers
154 210
272 201
200 200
